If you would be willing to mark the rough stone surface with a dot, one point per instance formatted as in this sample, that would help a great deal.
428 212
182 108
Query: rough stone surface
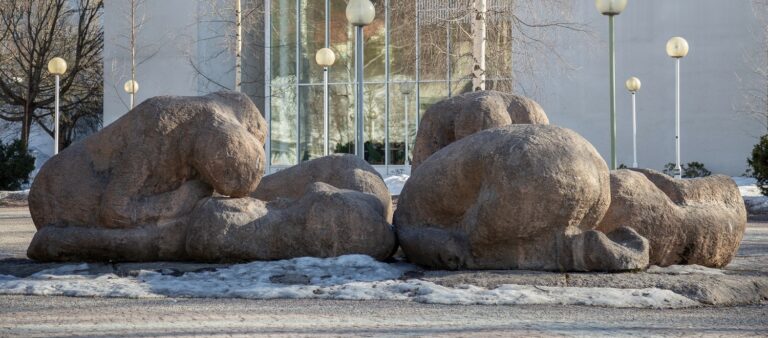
514 197
142 190
123 193
692 221
460 116
341 171
323 222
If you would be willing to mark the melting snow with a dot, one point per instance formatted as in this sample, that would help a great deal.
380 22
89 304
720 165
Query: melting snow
755 201
352 277
747 186
396 183
684 270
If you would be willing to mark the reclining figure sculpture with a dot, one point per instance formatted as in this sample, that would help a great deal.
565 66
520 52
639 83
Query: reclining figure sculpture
142 189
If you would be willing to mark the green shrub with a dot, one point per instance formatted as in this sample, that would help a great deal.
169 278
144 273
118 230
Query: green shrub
15 165
690 170
374 152
759 164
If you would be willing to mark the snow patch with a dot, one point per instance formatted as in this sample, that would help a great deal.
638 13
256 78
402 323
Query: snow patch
747 186
756 205
395 183
352 277
692 269
14 198
754 200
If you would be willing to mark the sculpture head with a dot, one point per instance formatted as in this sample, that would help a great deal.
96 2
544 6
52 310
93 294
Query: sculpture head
229 153
243 109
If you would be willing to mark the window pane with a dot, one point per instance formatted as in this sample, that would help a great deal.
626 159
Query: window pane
342 124
374 133
283 133
431 93
402 39
312 117
283 44
342 43
401 105
312 38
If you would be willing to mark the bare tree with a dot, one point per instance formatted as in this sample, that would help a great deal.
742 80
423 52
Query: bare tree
479 36
225 24
34 31
516 38
139 47
755 88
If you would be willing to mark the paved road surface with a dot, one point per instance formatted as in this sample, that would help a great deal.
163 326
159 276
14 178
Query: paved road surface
34 316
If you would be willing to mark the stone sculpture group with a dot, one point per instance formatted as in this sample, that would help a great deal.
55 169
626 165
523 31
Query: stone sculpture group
493 186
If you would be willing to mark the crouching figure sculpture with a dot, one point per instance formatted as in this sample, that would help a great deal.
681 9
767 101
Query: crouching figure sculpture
142 189
537 197
514 197
452 119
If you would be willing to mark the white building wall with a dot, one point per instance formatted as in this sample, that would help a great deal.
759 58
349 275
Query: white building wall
166 41
714 77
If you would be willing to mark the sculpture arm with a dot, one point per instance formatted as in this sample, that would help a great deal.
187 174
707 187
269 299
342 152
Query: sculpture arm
123 206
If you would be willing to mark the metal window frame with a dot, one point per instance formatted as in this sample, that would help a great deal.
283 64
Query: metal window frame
388 82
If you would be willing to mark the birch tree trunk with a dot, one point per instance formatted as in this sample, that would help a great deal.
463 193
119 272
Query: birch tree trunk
133 48
238 45
479 35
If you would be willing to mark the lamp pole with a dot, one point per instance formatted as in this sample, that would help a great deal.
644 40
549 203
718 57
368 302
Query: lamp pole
406 89
360 13
56 122
57 66
359 137
611 8
633 85
131 87
326 117
325 58
677 48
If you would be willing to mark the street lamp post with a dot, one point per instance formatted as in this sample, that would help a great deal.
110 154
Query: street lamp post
633 85
57 66
677 48
131 87
360 13
406 89
611 8
325 58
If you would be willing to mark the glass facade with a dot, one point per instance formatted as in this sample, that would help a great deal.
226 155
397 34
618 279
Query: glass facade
415 54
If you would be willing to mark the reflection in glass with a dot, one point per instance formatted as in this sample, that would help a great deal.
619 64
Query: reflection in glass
444 62
283 134
402 121
342 119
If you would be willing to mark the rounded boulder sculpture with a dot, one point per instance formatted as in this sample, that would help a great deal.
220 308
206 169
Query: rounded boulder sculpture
460 116
514 197
341 171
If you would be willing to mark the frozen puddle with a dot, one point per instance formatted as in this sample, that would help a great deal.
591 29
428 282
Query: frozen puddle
352 277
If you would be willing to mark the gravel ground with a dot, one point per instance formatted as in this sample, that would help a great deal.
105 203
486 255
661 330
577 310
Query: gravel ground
65 316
